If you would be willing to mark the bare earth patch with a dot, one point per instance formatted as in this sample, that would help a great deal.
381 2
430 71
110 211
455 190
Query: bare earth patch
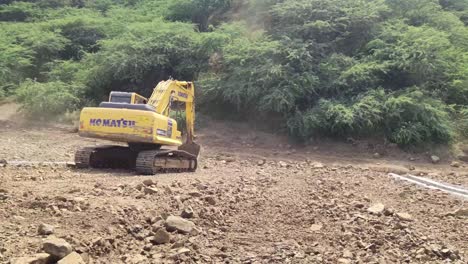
250 202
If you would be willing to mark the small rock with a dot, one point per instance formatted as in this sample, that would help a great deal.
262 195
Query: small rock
178 244
139 186
282 164
316 227
176 223
455 164
3 196
318 166
180 251
56 247
168 190
261 162
183 251
148 182
72 258
61 198
136 229
161 237
195 194
157 225
344 261
435 159
377 155
388 211
78 200
40 258
45 229
150 190
230 159
187 212
377 208
347 254
404 217
210 200
148 247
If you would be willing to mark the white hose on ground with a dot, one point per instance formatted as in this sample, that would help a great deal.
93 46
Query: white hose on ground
431 184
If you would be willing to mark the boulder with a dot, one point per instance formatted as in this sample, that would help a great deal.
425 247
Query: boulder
316 227
404 217
377 208
148 182
176 223
161 237
72 258
150 190
187 212
210 200
45 229
435 159
58 248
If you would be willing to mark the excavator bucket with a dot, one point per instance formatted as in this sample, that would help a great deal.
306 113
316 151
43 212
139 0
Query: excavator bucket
191 147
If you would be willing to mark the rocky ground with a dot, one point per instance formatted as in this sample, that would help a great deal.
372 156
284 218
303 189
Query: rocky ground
251 201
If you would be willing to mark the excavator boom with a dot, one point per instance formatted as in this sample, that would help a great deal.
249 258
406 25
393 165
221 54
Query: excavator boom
168 92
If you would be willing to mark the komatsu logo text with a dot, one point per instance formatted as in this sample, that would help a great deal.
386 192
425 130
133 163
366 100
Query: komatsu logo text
183 95
112 122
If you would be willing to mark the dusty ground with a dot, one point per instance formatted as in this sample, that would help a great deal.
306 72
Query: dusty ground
255 200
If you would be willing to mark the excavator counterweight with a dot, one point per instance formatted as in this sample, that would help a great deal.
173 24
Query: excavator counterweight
154 142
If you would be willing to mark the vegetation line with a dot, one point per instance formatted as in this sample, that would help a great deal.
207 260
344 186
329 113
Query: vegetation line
396 69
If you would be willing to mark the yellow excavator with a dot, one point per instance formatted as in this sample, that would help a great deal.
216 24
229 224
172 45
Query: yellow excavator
145 125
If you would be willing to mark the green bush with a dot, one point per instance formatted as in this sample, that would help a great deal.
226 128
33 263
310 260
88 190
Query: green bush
461 121
18 11
46 99
408 118
389 68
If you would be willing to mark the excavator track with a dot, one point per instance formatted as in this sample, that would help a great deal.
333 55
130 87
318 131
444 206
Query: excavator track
83 157
146 162
112 157
162 161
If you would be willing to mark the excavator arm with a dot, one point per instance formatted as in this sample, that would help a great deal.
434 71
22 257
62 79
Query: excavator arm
165 95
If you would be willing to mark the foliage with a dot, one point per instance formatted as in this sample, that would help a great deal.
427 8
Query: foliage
18 11
199 12
46 99
392 68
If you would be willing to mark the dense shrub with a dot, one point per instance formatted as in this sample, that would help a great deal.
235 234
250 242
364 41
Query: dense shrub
390 68
46 99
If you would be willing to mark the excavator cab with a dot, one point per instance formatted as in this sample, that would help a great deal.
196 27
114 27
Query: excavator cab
127 98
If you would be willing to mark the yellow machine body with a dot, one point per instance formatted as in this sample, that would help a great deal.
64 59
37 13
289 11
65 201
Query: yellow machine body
145 124
119 122
128 125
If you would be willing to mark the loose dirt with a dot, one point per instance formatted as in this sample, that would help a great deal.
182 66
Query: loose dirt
254 199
